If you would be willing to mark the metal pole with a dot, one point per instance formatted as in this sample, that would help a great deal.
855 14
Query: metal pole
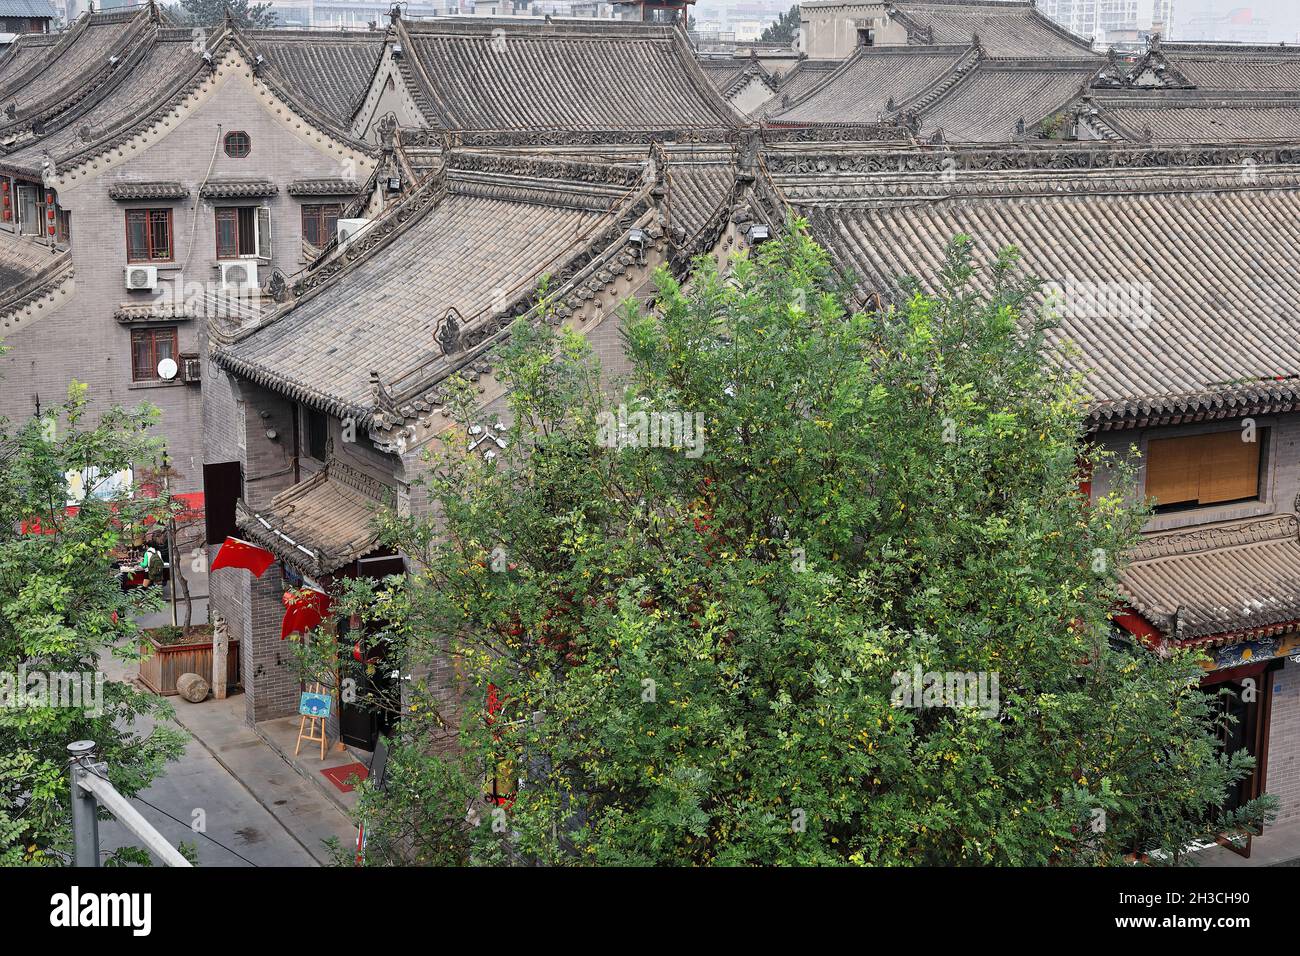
85 820
171 537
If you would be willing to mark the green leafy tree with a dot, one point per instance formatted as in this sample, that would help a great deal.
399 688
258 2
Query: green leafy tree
784 29
211 13
61 611
697 654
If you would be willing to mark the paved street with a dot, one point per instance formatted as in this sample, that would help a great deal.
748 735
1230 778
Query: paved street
260 811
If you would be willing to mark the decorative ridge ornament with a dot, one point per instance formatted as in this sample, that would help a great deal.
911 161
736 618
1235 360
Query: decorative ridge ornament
448 333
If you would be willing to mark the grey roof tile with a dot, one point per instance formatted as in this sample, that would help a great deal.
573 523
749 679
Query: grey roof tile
581 75
1220 581
1210 271
1003 28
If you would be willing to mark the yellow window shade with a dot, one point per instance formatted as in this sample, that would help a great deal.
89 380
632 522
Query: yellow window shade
1229 467
1172 473
1203 469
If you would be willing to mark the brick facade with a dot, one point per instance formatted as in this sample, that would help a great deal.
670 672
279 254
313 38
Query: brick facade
81 339
1283 779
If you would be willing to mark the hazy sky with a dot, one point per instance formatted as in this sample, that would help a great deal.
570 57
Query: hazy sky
1283 16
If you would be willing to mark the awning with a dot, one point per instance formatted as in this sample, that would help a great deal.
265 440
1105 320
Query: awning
153 190
324 187
1219 584
238 189
320 524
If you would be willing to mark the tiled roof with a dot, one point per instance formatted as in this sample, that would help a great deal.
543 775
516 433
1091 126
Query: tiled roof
156 65
238 189
699 182
731 75
323 187
874 80
986 105
477 73
797 82
1192 116
1224 66
1003 28
30 273
21 260
1199 268
475 242
319 524
1236 579
722 71
81 56
153 190
25 52
331 69
160 66
28 8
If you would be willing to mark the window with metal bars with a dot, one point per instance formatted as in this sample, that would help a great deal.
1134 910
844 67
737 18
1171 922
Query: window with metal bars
148 348
148 235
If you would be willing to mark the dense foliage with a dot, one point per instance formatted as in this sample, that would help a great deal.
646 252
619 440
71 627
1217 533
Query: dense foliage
784 29
692 655
61 611
211 13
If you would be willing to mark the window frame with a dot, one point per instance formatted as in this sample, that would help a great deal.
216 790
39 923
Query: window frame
316 425
1262 446
148 212
316 212
256 238
247 144
153 334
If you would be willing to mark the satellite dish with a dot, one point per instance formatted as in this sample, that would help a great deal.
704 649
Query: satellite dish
167 369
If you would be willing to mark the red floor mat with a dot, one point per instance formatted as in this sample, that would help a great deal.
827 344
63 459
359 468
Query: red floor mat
339 775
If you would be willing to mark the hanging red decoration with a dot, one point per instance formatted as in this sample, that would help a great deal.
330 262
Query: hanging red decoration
304 610
235 553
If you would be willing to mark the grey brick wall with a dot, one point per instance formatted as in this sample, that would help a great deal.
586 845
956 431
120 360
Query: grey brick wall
82 340
1284 743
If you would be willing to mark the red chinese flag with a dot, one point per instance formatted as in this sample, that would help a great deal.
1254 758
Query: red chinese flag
305 610
235 553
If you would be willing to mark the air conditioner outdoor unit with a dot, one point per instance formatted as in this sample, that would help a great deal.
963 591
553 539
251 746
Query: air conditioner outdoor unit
191 368
142 277
239 274
349 229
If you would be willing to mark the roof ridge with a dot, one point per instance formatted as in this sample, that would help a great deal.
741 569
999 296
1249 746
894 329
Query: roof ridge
963 67
71 94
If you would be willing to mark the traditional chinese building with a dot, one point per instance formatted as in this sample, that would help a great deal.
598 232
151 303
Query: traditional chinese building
151 179
1173 263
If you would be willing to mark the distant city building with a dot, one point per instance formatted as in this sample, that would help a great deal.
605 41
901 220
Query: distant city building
1111 21
358 14
1240 25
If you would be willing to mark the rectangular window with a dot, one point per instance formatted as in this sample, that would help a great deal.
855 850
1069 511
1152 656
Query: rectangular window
1204 469
29 223
236 232
317 433
148 235
148 348
319 226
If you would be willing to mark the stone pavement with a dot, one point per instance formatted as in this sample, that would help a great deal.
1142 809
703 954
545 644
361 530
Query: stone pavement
253 801
1278 846
300 806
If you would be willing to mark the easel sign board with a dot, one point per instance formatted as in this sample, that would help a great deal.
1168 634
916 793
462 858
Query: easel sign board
312 704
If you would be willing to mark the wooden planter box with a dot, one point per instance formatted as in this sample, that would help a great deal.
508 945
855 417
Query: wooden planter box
169 661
